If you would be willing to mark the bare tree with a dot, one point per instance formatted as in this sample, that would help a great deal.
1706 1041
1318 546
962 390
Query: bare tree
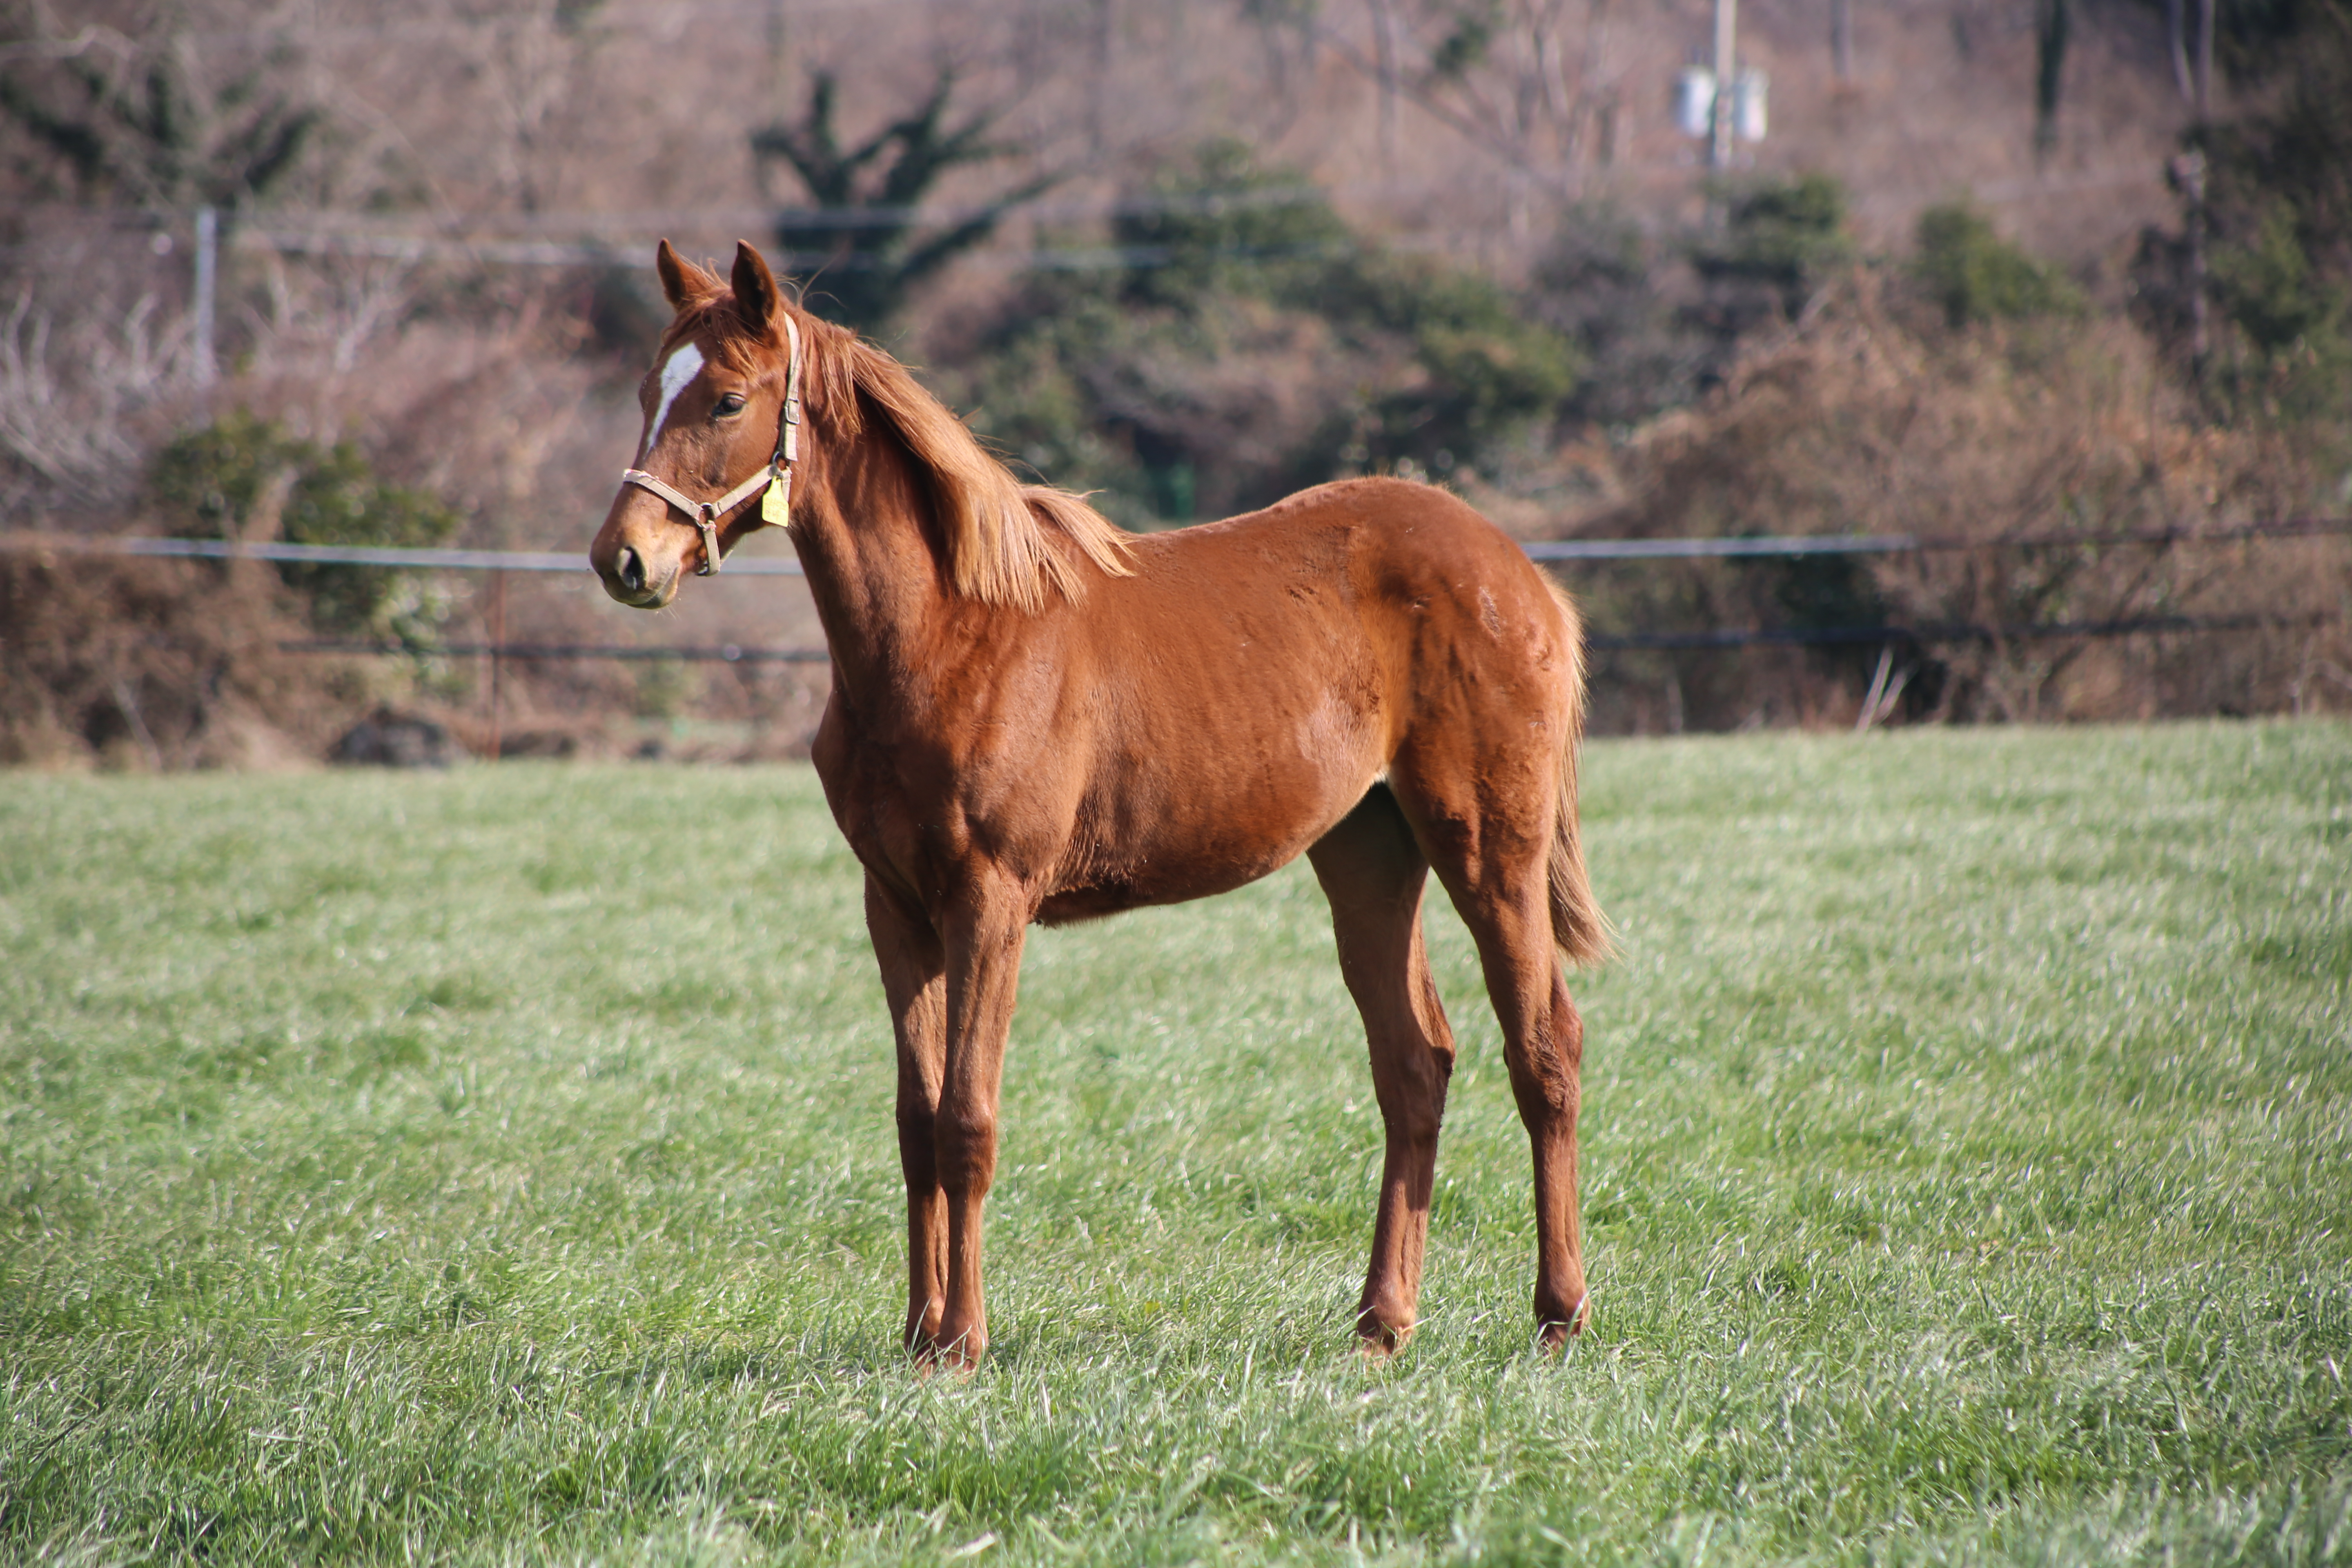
2053 27
865 237
1529 81
115 121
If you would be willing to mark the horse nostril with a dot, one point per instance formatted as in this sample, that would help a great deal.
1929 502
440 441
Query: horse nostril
632 570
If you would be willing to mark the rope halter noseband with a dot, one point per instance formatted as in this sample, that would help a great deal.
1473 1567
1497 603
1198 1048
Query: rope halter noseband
776 479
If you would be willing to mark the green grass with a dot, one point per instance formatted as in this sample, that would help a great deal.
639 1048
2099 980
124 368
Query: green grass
498 1167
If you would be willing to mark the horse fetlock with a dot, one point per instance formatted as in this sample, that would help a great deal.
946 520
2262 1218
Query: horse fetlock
962 1344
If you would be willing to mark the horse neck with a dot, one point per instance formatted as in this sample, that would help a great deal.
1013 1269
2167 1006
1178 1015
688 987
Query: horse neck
869 548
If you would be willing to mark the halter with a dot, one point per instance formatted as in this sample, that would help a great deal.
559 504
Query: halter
776 479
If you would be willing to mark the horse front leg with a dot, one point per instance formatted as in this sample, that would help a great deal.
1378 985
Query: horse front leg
914 978
984 948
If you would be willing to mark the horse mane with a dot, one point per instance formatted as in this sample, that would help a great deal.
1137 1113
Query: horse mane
1007 542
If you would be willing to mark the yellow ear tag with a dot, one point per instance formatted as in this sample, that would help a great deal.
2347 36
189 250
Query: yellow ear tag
774 508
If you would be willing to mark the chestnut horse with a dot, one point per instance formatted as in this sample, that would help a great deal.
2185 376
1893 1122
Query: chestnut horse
1035 717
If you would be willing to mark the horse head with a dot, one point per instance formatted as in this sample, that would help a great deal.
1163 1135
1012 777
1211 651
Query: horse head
721 427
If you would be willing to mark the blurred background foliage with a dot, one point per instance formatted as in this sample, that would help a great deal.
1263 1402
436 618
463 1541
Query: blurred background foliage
1170 381
247 478
1192 259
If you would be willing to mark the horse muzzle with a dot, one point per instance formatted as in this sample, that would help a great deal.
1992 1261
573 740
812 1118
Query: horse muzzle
637 571
636 583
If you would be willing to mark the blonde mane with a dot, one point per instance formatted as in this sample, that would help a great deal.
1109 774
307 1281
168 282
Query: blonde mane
1007 542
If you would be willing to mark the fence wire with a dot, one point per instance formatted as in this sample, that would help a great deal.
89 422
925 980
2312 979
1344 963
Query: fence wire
1550 551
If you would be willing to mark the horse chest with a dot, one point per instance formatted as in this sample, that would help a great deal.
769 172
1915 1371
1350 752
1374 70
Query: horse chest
923 821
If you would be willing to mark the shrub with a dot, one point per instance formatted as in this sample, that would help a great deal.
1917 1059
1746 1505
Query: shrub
246 478
1603 282
1225 226
1859 424
1784 236
1249 344
2268 286
1974 275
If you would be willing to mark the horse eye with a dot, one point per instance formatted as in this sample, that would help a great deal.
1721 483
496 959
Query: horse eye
728 405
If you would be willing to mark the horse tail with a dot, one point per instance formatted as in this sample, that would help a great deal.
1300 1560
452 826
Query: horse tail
1578 925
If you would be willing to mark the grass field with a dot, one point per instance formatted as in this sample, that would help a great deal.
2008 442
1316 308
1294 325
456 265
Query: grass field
498 1167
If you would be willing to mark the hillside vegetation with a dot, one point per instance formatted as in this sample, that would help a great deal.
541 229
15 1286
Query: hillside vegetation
1989 274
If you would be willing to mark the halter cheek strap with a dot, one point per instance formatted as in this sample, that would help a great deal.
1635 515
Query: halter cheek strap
776 479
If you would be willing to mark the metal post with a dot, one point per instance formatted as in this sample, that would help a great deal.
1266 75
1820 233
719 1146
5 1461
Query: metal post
1718 153
497 651
207 369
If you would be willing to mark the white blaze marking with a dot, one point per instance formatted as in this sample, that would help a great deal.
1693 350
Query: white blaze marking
682 368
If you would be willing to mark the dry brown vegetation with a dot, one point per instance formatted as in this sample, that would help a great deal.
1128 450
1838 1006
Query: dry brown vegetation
2006 431
437 217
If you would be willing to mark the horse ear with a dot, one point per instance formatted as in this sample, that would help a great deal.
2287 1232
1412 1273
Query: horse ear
682 280
757 298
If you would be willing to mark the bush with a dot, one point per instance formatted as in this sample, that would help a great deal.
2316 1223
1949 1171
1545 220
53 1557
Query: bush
1973 275
150 665
246 478
1786 237
2268 288
1859 424
1603 282
1224 227
1248 344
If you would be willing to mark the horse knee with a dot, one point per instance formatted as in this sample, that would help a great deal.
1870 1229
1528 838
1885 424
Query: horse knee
966 1140
917 1141
1413 1103
1416 1128
1544 1071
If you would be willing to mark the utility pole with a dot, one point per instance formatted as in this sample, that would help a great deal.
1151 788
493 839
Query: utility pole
1719 152
207 367
1384 54
780 69
1099 93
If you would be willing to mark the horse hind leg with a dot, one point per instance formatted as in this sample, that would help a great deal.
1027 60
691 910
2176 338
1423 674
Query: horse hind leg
1544 1080
1373 874
1493 860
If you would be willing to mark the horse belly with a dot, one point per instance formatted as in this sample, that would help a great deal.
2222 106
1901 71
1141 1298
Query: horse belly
1248 797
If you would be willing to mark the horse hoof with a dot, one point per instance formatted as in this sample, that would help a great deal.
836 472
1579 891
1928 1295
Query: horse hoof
1379 1340
1555 1333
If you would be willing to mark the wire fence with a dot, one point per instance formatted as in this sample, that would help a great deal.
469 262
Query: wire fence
1548 552
1723 547
1806 636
